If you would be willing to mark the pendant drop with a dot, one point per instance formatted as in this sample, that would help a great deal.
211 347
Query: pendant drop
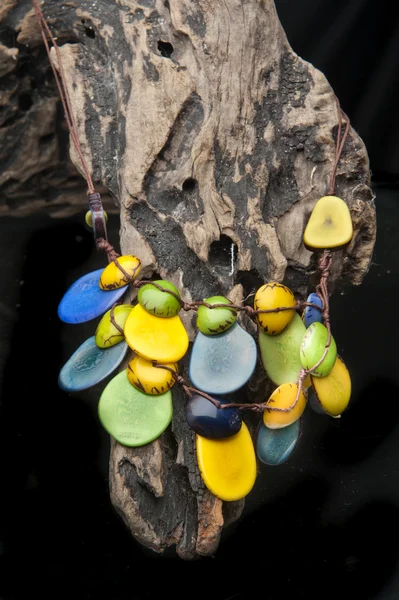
228 466
89 365
275 446
222 363
280 353
130 416
85 301
156 338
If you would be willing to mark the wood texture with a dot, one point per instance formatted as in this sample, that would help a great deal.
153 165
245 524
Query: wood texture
215 139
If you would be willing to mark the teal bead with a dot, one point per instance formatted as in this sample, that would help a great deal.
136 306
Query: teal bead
312 349
211 321
158 303
89 365
275 446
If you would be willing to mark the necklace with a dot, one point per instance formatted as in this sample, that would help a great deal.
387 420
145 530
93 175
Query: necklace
295 345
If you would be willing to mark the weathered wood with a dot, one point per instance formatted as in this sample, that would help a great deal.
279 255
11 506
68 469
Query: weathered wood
216 140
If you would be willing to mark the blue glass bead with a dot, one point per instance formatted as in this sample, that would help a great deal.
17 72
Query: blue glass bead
275 446
89 365
85 300
211 422
223 363
311 314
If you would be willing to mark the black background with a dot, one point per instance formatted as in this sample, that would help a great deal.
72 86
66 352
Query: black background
324 524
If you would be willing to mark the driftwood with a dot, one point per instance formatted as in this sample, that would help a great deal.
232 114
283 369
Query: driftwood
215 139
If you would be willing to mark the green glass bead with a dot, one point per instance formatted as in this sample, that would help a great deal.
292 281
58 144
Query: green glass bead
211 321
280 353
312 349
158 303
130 416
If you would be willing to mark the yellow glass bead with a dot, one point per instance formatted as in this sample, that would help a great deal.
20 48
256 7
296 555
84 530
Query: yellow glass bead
268 297
148 378
329 225
112 277
227 466
334 391
89 218
155 338
284 397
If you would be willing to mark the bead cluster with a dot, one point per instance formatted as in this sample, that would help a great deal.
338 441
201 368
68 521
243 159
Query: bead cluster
297 351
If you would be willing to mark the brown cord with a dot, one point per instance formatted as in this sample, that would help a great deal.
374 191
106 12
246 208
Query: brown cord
63 90
94 198
187 306
108 248
253 406
112 319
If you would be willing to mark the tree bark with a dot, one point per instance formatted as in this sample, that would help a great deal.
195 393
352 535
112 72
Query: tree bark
215 139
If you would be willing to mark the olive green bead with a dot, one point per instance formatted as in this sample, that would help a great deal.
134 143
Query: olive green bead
211 321
158 303
107 334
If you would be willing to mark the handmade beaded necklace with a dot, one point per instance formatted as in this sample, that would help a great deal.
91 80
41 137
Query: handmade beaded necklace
297 349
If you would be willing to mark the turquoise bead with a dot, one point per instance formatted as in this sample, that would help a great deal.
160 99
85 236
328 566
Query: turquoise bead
275 446
89 365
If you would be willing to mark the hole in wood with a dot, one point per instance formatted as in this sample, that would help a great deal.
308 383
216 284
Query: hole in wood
8 37
165 48
89 31
250 281
223 255
25 102
189 185
46 139
156 276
